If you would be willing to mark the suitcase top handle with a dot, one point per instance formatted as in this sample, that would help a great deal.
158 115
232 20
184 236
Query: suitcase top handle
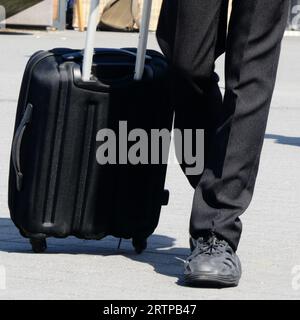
90 40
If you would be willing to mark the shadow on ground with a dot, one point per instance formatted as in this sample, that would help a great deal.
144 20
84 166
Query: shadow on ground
161 253
292 141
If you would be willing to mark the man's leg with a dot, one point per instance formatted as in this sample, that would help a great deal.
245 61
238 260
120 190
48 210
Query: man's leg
227 183
188 33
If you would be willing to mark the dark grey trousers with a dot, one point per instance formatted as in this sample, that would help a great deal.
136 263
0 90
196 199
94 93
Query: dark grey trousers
191 34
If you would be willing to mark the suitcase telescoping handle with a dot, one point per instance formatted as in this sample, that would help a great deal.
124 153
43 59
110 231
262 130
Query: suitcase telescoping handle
90 40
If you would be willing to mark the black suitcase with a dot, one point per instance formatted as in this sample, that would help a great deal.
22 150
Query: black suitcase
56 186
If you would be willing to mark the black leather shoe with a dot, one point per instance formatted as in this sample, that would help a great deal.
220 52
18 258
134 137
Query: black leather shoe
213 263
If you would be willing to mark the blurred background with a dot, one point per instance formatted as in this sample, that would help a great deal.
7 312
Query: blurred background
114 15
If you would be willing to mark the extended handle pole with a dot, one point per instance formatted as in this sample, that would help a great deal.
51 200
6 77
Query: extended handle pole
143 40
90 40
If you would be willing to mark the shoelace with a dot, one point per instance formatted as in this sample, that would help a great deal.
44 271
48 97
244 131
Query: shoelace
212 246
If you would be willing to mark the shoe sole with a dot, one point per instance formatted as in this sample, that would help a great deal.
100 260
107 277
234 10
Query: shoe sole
210 281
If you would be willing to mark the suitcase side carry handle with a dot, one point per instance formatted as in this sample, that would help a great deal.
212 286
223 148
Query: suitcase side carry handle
90 39
17 143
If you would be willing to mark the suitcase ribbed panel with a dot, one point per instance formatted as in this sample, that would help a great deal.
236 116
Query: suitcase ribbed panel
86 143
37 175
59 129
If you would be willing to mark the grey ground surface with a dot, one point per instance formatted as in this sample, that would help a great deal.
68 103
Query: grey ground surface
76 269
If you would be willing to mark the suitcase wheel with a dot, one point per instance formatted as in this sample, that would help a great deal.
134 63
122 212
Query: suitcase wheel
139 245
38 245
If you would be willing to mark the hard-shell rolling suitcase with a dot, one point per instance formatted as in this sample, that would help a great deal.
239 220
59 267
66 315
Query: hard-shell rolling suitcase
57 187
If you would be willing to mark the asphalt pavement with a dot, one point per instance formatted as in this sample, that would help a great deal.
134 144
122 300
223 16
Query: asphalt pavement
77 269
